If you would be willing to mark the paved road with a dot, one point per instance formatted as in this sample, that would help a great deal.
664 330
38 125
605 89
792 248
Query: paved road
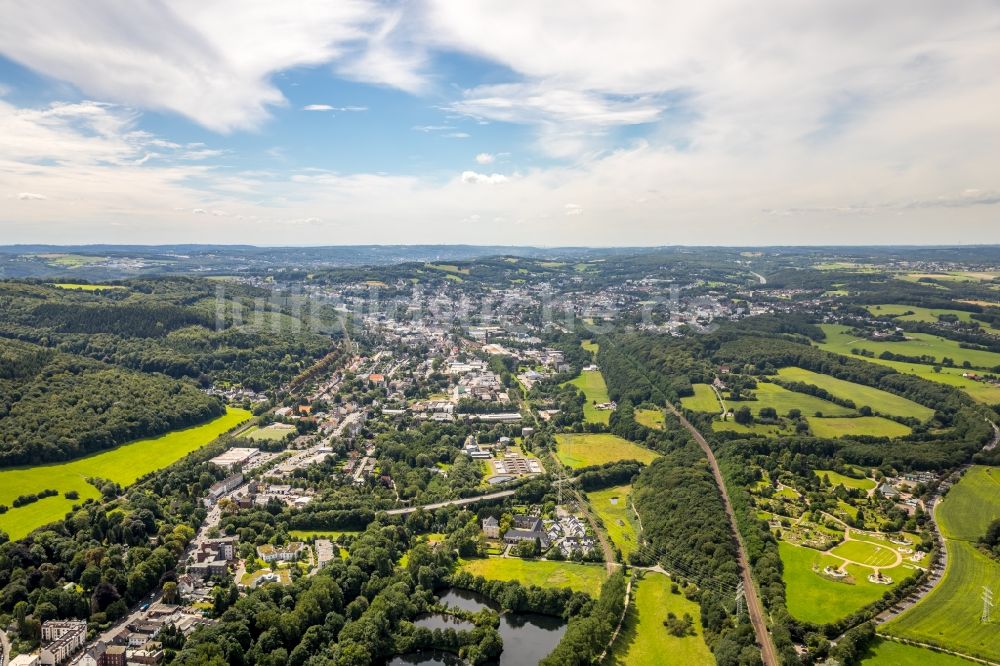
456 502
4 647
767 651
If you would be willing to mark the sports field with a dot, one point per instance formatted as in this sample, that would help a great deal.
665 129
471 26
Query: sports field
651 418
879 400
884 652
644 641
581 450
782 400
846 481
814 598
275 432
612 505
122 465
949 615
703 400
840 340
876 426
543 573
591 382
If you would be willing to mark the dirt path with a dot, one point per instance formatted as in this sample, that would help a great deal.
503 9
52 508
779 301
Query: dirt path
757 618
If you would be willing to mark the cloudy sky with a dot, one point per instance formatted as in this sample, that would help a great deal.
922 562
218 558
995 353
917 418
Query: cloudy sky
518 122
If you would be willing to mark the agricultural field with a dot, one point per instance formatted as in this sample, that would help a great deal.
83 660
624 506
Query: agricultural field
123 465
612 505
582 450
644 641
766 429
879 400
783 400
816 598
979 391
591 382
543 573
846 481
73 286
651 418
916 313
952 276
946 617
876 426
840 341
703 400
884 652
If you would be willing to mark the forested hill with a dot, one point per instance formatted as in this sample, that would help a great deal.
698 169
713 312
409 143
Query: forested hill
56 406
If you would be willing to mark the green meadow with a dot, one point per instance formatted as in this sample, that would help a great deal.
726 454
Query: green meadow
651 418
703 400
916 313
884 652
591 382
782 400
840 340
612 505
84 287
543 573
879 400
584 449
846 481
123 465
875 426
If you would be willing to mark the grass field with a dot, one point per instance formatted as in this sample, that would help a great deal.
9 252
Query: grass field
84 287
840 340
813 598
879 400
949 615
876 426
591 346
591 382
703 400
611 504
846 481
755 428
543 573
651 418
864 552
582 450
644 641
268 433
885 652
782 400
122 465
918 313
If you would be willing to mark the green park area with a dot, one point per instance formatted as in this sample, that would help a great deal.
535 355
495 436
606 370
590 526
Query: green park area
703 400
122 465
612 505
645 641
543 573
591 382
584 449
846 481
949 616
880 401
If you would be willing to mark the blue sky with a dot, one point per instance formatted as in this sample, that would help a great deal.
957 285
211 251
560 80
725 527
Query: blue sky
364 121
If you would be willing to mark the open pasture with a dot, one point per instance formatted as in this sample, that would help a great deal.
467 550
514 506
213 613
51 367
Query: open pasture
651 418
840 340
846 481
783 400
612 505
591 382
885 652
874 426
584 449
703 400
879 400
916 313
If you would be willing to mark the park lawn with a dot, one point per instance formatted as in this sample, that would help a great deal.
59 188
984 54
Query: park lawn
876 426
840 340
879 400
782 400
703 400
583 449
949 615
84 287
644 641
884 652
918 313
846 481
123 465
612 505
865 552
543 573
814 598
651 418
591 382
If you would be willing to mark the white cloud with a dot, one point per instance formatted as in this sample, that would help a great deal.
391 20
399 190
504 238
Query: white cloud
572 209
327 107
483 179
456 135
31 196
485 158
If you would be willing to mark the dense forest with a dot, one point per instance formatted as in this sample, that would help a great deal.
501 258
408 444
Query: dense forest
55 406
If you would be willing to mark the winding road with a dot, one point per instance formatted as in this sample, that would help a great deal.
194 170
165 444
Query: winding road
755 608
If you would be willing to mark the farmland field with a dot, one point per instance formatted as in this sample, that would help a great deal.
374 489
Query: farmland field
875 426
123 465
644 641
879 400
918 313
840 340
767 430
591 382
543 573
846 481
582 450
84 287
884 652
945 616
703 400
782 400
651 418
814 598
612 505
